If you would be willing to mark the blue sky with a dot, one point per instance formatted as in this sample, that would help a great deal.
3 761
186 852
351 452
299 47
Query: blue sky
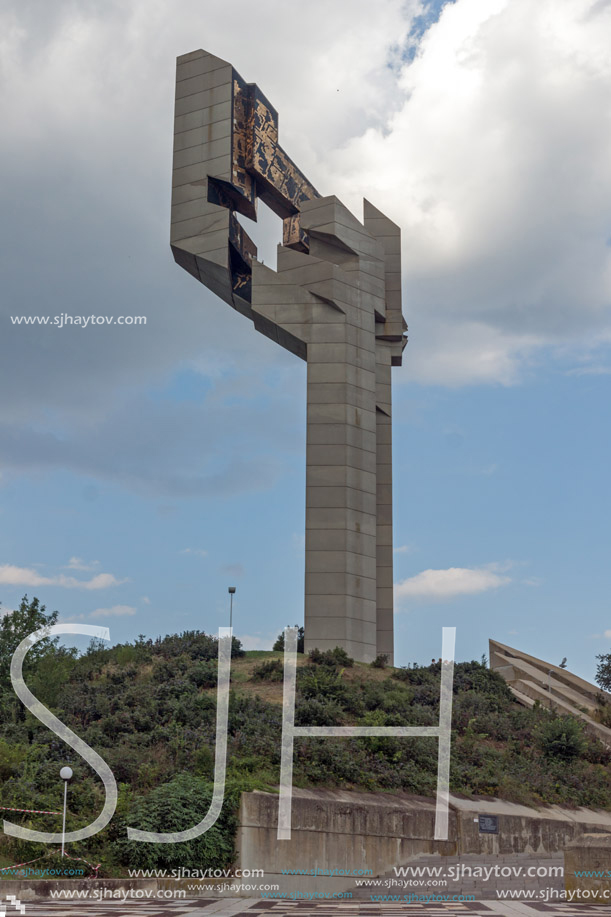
495 479
428 15
145 469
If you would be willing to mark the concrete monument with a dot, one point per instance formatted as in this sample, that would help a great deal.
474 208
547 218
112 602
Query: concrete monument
334 301
533 680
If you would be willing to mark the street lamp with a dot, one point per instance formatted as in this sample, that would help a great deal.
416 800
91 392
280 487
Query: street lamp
231 592
549 687
66 775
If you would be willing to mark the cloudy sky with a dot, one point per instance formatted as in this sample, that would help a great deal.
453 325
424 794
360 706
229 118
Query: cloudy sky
146 468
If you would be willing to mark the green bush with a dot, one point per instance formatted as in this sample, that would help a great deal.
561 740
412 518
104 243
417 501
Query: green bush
562 737
334 657
318 712
315 681
419 675
271 670
177 806
602 714
204 674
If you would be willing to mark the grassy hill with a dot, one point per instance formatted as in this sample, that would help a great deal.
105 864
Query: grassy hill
148 708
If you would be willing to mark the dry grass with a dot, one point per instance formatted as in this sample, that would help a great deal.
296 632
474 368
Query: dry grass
272 691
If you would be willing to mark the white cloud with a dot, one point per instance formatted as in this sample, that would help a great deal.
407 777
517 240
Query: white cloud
145 600
589 371
116 611
497 165
441 585
256 641
100 581
404 549
11 575
198 552
608 634
77 563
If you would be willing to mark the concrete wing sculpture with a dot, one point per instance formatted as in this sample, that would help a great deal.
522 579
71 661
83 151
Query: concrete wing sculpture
334 301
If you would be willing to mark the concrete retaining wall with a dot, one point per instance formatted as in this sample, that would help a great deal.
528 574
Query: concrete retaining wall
539 832
590 853
351 831
335 829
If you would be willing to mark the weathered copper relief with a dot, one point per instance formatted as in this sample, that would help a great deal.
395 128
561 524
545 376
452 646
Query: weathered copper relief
259 168
293 236
242 250
242 117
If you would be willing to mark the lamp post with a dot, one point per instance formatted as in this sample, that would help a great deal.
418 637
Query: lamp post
231 592
66 775
549 687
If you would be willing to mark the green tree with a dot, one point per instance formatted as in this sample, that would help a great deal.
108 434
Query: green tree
15 626
603 671
278 646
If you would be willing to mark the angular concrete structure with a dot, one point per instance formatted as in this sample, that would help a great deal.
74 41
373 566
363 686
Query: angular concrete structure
531 679
334 301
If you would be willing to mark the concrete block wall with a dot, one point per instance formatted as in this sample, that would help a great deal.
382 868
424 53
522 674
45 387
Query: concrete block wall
349 830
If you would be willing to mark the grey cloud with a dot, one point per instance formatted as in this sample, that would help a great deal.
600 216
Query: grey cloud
171 449
599 7
498 175
87 114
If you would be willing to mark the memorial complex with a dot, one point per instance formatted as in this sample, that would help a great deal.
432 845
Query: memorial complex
334 301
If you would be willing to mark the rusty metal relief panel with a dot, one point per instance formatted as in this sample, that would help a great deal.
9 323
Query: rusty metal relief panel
241 140
293 236
260 168
242 250
280 183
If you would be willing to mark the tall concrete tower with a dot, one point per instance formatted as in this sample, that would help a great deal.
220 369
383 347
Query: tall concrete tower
334 301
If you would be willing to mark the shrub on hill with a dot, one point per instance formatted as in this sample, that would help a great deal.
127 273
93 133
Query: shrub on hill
335 657
272 670
562 737
149 709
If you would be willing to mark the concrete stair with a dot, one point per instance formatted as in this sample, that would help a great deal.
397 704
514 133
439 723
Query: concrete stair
531 680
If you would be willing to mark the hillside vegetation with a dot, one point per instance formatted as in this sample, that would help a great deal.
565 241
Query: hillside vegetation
149 707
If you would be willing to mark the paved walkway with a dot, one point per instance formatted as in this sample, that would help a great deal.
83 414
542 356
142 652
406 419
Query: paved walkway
472 875
476 877
252 907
